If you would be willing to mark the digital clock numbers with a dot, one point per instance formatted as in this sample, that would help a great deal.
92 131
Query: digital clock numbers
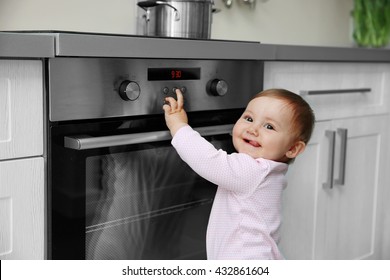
171 74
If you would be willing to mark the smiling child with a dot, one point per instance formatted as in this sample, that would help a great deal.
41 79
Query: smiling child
245 218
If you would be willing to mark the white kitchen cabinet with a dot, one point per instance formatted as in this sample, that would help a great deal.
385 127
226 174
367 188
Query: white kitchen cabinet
300 197
338 222
349 220
334 89
21 108
22 209
21 160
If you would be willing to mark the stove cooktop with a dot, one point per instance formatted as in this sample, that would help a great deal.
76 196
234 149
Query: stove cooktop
120 35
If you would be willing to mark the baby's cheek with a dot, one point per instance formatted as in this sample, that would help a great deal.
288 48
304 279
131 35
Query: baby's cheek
235 141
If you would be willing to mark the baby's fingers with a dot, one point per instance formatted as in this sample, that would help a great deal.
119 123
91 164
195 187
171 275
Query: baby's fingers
166 108
180 99
170 105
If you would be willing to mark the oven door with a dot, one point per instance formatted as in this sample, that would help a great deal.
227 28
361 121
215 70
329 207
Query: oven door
118 191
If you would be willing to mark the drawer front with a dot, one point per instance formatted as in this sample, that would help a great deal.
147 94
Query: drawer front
334 90
21 108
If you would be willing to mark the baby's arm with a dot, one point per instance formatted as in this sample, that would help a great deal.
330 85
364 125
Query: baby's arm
236 172
175 116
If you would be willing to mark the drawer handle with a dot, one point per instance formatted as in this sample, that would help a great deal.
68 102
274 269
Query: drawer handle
334 91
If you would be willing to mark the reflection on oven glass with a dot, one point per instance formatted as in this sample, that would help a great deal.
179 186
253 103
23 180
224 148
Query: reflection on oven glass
145 204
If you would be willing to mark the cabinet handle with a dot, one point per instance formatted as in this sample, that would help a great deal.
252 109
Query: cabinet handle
332 137
334 91
343 153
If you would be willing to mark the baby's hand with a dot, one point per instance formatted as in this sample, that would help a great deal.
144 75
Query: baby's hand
175 116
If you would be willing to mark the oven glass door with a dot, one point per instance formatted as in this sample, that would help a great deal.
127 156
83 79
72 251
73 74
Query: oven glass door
126 201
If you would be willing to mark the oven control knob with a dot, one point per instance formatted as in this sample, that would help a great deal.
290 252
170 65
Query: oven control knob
217 87
129 90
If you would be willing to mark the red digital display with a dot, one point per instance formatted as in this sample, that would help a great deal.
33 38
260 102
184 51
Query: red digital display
176 74
170 74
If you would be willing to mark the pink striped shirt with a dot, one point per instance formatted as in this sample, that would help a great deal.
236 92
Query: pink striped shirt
246 214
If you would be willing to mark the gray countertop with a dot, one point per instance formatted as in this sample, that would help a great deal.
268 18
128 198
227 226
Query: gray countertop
45 44
20 45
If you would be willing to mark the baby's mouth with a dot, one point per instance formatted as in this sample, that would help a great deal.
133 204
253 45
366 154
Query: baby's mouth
253 143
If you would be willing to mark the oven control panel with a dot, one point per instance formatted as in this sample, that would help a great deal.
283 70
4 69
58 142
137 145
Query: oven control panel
88 88
130 90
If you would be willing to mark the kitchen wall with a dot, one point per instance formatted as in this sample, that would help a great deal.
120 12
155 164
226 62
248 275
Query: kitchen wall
307 22
297 22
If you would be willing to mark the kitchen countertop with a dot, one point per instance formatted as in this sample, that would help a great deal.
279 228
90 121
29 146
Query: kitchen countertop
20 45
46 44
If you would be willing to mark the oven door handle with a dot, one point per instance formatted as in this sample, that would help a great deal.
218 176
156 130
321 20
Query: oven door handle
86 142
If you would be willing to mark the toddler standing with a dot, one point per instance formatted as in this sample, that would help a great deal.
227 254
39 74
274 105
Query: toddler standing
246 213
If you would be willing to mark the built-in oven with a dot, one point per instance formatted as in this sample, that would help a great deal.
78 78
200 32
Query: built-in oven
116 187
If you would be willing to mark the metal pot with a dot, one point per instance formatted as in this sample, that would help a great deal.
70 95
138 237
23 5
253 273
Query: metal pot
178 18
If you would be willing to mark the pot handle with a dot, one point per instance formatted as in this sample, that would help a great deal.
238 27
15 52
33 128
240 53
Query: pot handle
149 4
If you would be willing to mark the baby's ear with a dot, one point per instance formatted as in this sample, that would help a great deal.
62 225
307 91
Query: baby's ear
296 149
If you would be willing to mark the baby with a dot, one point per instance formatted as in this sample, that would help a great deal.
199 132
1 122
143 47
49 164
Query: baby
246 214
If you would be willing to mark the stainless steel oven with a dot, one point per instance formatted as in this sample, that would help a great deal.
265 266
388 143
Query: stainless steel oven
116 188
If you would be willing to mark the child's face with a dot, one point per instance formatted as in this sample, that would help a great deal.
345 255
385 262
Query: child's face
264 130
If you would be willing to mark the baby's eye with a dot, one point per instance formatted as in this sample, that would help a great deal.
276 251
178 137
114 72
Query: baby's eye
248 119
269 126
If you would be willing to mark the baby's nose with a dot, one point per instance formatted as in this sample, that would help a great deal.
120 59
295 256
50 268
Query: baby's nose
253 130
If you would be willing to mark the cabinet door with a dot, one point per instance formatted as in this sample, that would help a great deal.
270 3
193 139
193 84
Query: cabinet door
305 177
21 108
346 219
22 209
338 222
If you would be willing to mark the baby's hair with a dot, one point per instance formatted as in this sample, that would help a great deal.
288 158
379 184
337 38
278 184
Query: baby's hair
303 116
